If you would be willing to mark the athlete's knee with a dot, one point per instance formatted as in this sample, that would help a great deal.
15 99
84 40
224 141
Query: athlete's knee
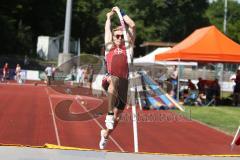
113 84
113 80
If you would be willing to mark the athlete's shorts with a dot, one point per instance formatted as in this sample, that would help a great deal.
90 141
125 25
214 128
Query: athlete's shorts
122 93
121 85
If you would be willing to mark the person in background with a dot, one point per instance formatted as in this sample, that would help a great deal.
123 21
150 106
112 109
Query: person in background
86 73
201 85
192 93
79 75
191 85
48 72
18 73
174 81
53 72
216 90
90 76
84 70
5 72
73 73
236 90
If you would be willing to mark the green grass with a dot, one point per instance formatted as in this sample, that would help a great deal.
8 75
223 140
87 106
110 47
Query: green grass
223 118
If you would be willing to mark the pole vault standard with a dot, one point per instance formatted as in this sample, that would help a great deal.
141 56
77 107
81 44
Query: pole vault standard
67 29
225 17
131 76
66 55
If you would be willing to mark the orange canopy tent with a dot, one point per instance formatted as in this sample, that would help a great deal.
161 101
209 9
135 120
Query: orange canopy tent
204 44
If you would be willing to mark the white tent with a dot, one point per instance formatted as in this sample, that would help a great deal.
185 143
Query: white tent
150 58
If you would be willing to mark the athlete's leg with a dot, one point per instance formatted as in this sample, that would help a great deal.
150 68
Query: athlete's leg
106 133
121 100
118 98
113 94
117 117
112 99
110 118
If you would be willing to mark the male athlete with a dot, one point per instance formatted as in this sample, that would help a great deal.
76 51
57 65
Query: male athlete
117 68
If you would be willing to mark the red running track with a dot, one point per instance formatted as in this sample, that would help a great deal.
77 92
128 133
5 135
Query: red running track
30 115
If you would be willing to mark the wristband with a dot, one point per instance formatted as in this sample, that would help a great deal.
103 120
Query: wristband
122 12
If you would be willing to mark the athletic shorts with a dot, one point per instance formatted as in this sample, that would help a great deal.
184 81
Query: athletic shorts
122 93
122 90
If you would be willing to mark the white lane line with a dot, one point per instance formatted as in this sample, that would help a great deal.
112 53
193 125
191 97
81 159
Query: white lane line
85 108
53 117
23 84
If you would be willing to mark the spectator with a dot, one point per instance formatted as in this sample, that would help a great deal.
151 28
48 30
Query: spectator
80 75
201 85
174 80
86 73
73 73
18 73
191 85
201 100
216 90
53 72
192 96
5 72
84 70
90 76
48 72
236 90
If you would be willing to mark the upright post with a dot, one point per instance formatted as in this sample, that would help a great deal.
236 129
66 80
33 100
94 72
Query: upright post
67 28
225 17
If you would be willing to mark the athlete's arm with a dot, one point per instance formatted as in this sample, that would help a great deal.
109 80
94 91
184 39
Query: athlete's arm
130 23
131 29
108 32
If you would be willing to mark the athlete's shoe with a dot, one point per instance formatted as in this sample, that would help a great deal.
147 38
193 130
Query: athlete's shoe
103 140
109 121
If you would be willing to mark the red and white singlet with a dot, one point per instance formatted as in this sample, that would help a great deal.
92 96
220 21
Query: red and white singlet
117 64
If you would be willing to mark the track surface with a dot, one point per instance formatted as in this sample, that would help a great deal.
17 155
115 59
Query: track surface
30 115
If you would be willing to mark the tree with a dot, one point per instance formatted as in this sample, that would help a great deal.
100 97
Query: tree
156 20
215 14
163 20
8 22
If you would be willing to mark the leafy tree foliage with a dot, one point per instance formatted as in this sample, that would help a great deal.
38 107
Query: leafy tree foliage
22 21
163 20
215 14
